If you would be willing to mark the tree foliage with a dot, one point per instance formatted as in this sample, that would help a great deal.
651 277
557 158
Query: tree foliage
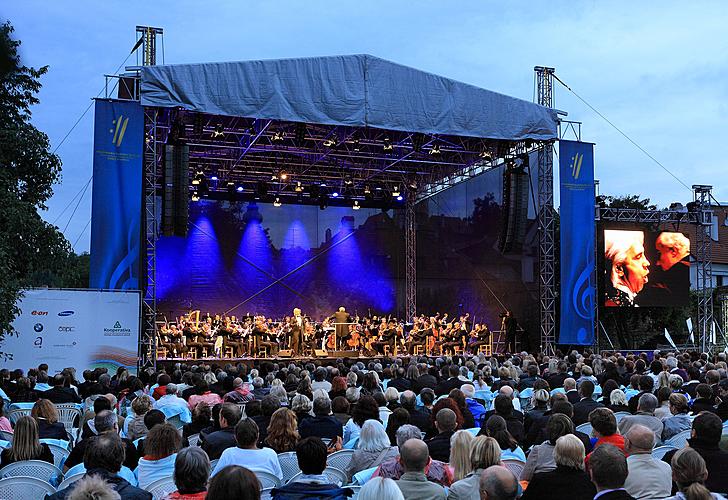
32 251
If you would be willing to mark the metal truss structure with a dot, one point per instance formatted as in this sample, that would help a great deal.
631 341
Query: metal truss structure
410 249
546 221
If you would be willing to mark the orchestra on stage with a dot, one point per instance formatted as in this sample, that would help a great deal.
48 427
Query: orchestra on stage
196 336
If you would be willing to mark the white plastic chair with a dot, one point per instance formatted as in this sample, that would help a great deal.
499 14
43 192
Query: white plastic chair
586 428
67 413
680 439
6 436
289 465
59 454
334 475
194 440
661 451
267 480
340 459
515 466
265 493
24 487
474 431
161 488
14 415
69 480
31 468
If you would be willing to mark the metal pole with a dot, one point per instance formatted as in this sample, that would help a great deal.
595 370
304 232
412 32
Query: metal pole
410 242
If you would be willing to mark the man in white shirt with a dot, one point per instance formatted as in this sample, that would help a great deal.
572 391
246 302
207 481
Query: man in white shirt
647 478
171 400
247 454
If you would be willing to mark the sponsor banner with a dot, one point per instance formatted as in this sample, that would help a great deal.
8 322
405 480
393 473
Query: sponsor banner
78 328
578 281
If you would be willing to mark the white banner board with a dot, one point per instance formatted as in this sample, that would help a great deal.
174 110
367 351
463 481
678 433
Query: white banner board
83 329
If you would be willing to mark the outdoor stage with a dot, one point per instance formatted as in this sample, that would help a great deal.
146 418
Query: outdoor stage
251 362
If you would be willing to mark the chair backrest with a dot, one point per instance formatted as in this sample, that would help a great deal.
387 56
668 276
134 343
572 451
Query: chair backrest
213 464
265 493
194 440
24 487
335 475
267 480
176 421
356 490
586 428
289 465
621 414
515 466
59 454
6 436
340 459
161 488
661 451
67 413
14 415
363 476
31 468
69 480
474 431
680 439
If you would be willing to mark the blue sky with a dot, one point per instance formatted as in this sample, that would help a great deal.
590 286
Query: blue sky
659 70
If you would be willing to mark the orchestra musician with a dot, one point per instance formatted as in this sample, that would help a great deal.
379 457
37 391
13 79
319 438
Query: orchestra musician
309 340
190 334
417 337
452 338
206 337
263 338
298 326
479 337
387 336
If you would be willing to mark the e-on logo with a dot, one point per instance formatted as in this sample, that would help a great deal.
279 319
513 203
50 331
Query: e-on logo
39 313
38 327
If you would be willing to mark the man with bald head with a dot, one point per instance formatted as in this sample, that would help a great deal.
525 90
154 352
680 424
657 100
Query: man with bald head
647 478
498 483
445 423
414 456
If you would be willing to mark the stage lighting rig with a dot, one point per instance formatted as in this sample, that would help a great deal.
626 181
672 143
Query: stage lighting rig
387 147
486 155
367 189
240 189
417 141
199 178
400 197
230 186
195 196
328 142
335 194
435 151
219 130
395 191
357 145
356 205
298 188
278 136
277 202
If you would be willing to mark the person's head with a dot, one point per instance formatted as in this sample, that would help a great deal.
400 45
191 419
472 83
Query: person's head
639 440
496 428
460 454
106 421
540 398
142 404
269 404
646 383
58 380
408 400
191 470
569 452
321 406
498 483
618 398
624 252
562 407
44 409
558 425
367 408
689 473
234 483
678 403
93 487
153 418
229 415
569 384
603 422
427 396
102 403
647 403
283 430
278 391
586 389
607 467
414 455
311 454
373 437
484 452
707 427
446 420
406 432
340 405
162 441
673 247
105 451
503 405
26 444
246 433
378 488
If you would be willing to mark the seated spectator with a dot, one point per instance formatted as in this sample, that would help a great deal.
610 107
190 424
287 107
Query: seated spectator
240 394
105 422
604 428
722 409
160 452
311 454
365 409
567 479
101 403
278 391
618 401
460 454
572 395
217 442
436 471
418 416
498 483
151 419
646 385
340 406
663 403
23 392
203 394
484 452
476 408
60 394
705 400
706 435
162 380
647 478
4 422
413 482
541 458
439 446
540 402
680 420
690 473
503 407
319 380
645 416
171 400
103 457
191 472
391 396
247 454
323 424
201 417
459 397
93 488
46 415
234 483
608 472
373 448
300 404
282 431
397 419
497 428
26 444
380 488
136 429
268 406
586 404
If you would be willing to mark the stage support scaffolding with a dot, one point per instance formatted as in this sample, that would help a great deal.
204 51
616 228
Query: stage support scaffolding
704 264
546 224
410 245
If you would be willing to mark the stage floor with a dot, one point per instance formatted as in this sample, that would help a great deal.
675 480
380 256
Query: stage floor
329 359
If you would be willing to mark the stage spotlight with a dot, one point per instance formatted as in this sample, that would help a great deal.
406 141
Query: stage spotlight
395 191
329 143
335 194
283 176
219 130
387 144
278 136
435 151
277 202
486 155
348 181
298 187
356 205
213 178
240 189
199 177
357 145
195 196
367 189
400 198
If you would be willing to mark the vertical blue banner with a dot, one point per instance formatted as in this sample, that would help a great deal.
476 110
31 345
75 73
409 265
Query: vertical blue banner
116 205
578 286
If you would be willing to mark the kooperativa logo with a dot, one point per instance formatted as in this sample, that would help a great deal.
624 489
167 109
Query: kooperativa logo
119 129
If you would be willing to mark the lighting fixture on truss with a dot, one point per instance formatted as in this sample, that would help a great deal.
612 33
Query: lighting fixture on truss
277 202
195 196
395 191
356 205
219 130
435 151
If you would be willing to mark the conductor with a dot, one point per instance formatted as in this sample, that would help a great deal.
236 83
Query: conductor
341 317
510 326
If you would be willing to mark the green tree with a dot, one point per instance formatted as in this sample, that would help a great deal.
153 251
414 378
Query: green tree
31 250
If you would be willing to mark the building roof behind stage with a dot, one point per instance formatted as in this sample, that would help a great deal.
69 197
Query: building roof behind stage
352 90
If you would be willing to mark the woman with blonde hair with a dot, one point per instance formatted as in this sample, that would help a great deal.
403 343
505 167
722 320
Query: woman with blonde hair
689 473
26 444
282 431
484 452
45 414
460 454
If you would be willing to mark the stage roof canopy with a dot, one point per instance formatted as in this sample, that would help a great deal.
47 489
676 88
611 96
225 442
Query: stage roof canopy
353 91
